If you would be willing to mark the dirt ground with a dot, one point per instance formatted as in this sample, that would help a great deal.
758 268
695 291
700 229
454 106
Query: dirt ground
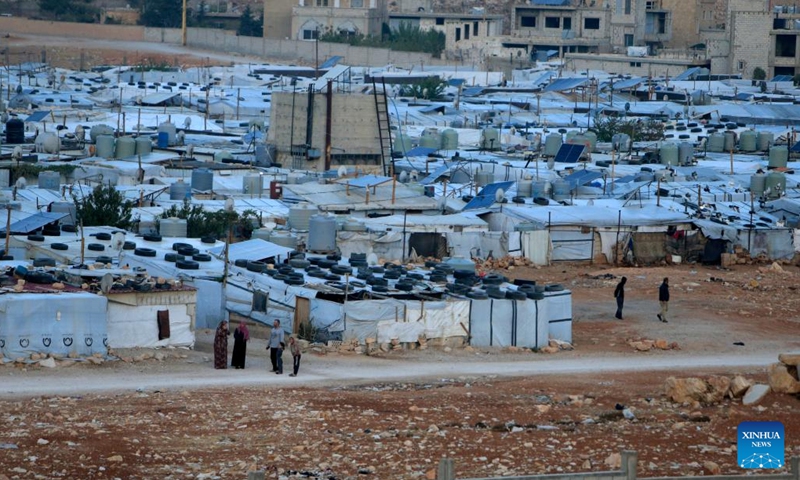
394 416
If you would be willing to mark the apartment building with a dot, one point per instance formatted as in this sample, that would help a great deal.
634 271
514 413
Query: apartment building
344 16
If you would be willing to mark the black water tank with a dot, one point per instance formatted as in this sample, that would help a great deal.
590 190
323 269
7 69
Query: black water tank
15 131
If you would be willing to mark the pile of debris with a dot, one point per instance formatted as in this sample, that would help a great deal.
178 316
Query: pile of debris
503 263
555 346
645 345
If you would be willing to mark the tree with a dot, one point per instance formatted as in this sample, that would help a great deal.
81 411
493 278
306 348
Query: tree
429 88
250 26
162 13
759 74
638 130
105 206
202 223
70 10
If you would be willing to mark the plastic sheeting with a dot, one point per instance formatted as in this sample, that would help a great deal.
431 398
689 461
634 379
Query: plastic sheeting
503 323
559 305
405 321
136 326
478 244
388 245
441 319
571 245
53 323
536 246
361 319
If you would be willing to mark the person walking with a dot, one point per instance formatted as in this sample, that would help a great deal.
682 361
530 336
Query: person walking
240 338
663 299
294 347
276 347
221 346
619 294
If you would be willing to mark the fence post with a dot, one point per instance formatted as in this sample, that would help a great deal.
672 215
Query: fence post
795 467
629 463
446 470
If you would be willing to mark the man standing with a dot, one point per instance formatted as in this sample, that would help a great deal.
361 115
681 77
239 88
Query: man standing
663 299
276 347
619 294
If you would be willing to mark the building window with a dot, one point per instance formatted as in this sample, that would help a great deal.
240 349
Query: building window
567 24
635 64
628 40
741 65
458 34
475 29
356 3
322 3
355 159
552 22
439 21
528 22
785 46
310 34
466 32
591 23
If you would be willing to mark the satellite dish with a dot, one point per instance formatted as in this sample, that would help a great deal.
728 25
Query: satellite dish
17 154
106 283
270 225
499 195
187 122
342 172
190 151
21 183
372 259
118 241
403 177
414 175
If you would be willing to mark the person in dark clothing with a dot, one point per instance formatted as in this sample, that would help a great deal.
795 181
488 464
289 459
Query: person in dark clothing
663 299
297 352
276 346
221 346
619 294
240 338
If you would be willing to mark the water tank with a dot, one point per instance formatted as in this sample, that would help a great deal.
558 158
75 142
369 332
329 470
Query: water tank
748 141
483 178
284 239
172 227
716 142
758 183
353 225
50 180
621 142
490 139
540 188
570 137
253 184
460 264
171 131
431 138
300 216
730 141
321 234
262 233
668 153
459 176
47 143
98 130
15 131
64 207
401 144
202 180
776 184
222 155
143 145
561 190
524 188
126 147
179 190
579 139
685 153
449 139
105 146
778 156
765 140
592 137
552 143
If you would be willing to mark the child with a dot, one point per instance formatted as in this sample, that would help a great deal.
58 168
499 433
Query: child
294 347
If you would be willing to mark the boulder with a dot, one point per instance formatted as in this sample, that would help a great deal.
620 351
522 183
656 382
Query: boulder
685 390
739 386
614 461
549 349
791 359
717 389
783 379
755 394
711 468
661 344
48 363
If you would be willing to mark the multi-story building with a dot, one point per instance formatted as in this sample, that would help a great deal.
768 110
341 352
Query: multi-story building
311 17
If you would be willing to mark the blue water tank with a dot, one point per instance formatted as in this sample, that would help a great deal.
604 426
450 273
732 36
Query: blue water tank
163 140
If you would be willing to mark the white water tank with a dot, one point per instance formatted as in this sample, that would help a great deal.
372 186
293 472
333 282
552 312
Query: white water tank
104 146
483 178
300 216
321 234
65 207
171 131
252 185
284 239
262 233
172 227
50 180
47 143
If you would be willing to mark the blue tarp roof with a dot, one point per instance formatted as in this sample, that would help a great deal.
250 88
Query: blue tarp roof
563 84
582 177
486 197
745 97
472 91
796 147
455 82
627 83
433 176
331 62
555 3
35 222
37 116
782 78
420 152
691 73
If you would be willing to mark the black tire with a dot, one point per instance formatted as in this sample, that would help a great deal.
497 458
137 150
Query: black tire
380 288
391 275
7 257
358 256
59 246
445 268
541 201
271 272
201 257
285 269
496 294
341 269
518 200
415 276
69 228
171 257
335 257
377 281
536 296
144 252
257 267
36 238
209 240
358 263
317 274
241 262
404 287
462 274
96 247
431 263
377 269
297 255
361 275
294 281
493 279
40 278
104 259
477 295
603 163
152 238
49 232
178 245
332 277
555 287
467 281
516 296
187 251
299 263
44 262
325 263
438 278
103 236
187 265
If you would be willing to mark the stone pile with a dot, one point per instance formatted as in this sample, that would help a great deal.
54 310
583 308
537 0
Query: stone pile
783 376
645 345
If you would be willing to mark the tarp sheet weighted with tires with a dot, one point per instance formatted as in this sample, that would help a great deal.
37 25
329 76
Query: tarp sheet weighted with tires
505 323
52 323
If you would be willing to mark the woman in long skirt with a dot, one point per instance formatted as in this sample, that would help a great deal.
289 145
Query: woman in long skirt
240 338
221 346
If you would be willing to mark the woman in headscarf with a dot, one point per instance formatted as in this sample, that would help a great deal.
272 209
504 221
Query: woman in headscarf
221 346
240 338
619 294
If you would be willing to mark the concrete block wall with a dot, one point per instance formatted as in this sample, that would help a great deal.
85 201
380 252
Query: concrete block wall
750 42
130 33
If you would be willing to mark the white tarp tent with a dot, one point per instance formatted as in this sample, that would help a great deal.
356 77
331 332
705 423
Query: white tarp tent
504 323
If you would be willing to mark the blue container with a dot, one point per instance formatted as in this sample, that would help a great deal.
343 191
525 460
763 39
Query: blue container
163 140
430 191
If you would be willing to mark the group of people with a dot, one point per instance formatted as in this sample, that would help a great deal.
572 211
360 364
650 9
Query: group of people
663 298
241 335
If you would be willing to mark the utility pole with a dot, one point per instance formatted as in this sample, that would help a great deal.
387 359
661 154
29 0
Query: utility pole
183 24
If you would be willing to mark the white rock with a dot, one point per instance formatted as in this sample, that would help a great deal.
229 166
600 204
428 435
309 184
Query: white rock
48 363
755 394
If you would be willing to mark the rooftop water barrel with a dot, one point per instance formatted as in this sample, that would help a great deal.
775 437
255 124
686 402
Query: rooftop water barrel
580 139
262 233
105 146
716 142
144 145
202 180
47 143
621 142
126 147
730 141
431 138
592 137
50 180
776 184
98 130
561 190
401 144
490 139
300 216
765 140
221 155
162 140
668 153
483 178
571 136
65 207
449 139
552 143
15 131
172 227
171 131
322 234
778 156
685 153
540 188
253 184
524 188
758 183
284 239
179 190
748 141
460 264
